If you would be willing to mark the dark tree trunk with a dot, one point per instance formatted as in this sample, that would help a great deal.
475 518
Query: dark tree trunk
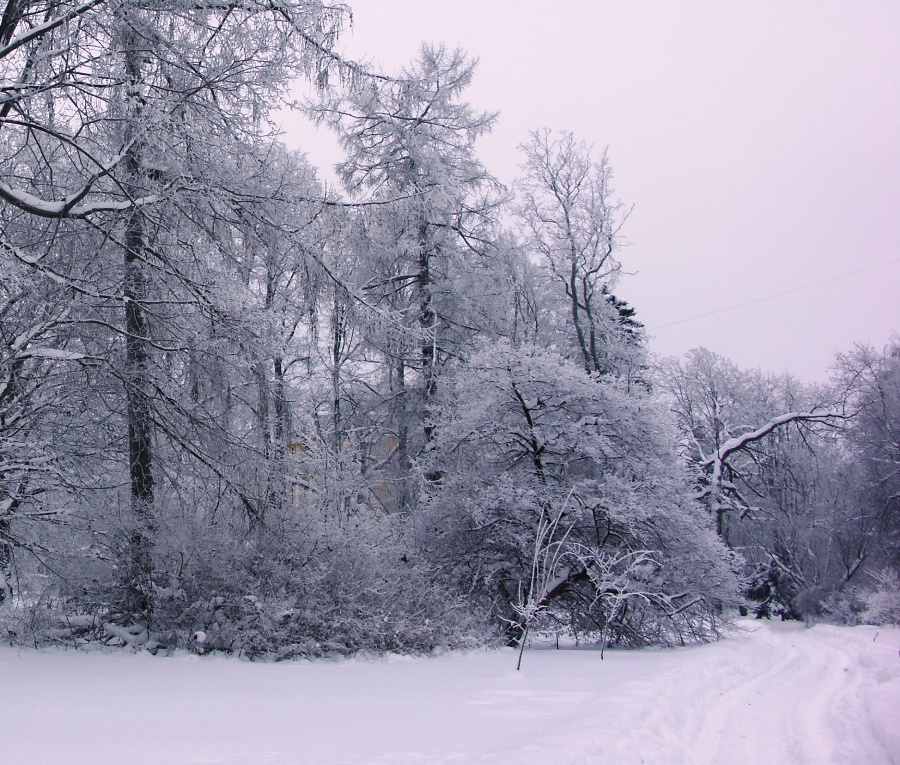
137 352
282 433
5 560
404 464
137 370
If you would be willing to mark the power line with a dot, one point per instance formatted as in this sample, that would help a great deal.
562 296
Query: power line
774 295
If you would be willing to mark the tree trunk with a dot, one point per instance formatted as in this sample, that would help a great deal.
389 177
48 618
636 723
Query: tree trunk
255 511
337 346
5 561
282 434
137 349
404 465
427 327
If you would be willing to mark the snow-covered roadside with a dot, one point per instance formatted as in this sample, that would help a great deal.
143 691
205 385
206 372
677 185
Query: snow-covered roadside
775 694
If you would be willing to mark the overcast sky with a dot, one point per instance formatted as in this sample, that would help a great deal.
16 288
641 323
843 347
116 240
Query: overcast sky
759 143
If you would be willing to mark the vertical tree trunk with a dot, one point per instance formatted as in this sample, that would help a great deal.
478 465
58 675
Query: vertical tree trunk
255 512
337 343
426 317
137 346
572 290
11 397
404 465
137 370
282 426
428 329
5 560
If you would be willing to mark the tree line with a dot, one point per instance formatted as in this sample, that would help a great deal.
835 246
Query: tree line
240 411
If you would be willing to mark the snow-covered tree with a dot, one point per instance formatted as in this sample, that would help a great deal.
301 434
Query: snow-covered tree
122 126
872 383
44 393
572 221
775 467
409 143
524 436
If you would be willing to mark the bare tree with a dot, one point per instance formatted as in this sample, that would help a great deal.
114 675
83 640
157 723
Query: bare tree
872 384
572 220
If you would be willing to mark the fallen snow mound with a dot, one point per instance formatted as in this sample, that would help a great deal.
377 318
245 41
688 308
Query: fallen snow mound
773 693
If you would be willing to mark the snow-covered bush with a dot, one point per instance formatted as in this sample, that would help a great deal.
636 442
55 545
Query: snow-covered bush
525 435
296 588
883 602
878 603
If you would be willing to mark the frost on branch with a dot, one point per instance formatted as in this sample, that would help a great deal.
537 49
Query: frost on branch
722 494
533 448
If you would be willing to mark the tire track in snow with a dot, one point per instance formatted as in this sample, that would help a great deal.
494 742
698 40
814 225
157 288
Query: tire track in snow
780 695
790 703
694 712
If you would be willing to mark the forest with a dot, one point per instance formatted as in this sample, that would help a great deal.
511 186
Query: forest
242 411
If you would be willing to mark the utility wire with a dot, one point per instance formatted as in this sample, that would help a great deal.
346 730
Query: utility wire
774 295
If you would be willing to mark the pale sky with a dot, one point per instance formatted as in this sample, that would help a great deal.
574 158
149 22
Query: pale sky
759 143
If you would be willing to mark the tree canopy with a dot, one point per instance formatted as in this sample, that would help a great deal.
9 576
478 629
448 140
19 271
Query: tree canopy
413 414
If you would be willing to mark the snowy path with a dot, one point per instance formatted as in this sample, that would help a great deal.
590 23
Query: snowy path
776 694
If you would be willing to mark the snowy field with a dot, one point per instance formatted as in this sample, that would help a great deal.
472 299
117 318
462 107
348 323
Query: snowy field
778 693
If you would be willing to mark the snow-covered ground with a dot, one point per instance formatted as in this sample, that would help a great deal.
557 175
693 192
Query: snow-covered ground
777 693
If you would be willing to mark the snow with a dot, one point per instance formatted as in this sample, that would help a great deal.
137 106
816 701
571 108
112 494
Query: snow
52 353
69 207
773 693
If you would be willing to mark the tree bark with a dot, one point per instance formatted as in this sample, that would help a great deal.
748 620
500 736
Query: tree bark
137 347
